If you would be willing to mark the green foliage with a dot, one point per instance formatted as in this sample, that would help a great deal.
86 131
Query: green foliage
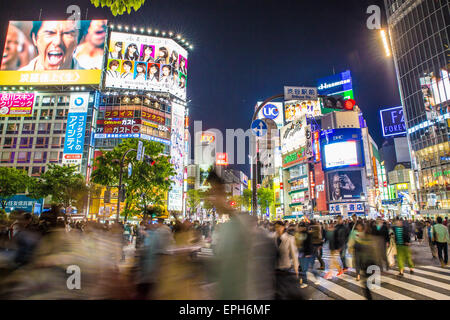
194 198
119 6
63 184
147 185
265 199
12 182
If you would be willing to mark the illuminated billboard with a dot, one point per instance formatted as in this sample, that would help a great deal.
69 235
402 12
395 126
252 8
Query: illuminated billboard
221 159
344 185
295 110
273 111
335 84
435 91
53 52
76 125
146 63
16 104
175 201
295 135
341 148
393 121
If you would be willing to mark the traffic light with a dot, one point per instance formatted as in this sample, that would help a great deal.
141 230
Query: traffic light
338 102
149 160
107 196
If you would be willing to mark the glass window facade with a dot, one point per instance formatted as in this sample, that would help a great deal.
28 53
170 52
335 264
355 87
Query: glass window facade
419 32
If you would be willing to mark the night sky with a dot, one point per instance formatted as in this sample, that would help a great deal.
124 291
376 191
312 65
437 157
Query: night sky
247 50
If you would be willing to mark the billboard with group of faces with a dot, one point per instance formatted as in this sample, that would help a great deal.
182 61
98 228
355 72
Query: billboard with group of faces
146 63
53 52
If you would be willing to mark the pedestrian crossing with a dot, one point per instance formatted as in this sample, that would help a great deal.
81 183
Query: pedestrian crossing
426 283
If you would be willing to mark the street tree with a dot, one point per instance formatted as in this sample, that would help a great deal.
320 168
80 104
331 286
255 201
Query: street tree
194 198
65 187
265 199
119 6
148 184
12 182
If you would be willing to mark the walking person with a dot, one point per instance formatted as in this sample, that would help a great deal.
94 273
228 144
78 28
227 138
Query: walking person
317 241
307 256
334 253
441 238
403 241
341 237
429 239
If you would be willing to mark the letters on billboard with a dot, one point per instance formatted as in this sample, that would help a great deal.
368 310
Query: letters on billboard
53 52
146 63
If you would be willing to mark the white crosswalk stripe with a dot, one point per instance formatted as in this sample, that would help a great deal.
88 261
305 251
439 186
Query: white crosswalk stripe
424 283
381 291
437 269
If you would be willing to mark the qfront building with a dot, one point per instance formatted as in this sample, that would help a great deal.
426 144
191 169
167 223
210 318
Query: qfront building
94 88
419 34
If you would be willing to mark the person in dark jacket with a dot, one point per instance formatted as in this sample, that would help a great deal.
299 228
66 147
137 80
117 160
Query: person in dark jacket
381 233
340 240
307 256
318 234
402 240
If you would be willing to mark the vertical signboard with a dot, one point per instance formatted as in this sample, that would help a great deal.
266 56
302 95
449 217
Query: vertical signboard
321 196
175 201
76 126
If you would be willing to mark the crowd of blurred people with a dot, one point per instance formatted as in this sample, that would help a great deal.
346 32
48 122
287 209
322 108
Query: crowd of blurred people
251 258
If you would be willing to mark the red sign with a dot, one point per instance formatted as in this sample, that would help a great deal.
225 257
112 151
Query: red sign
119 114
312 184
316 146
222 159
112 128
16 104
72 156
321 196
153 117
207 138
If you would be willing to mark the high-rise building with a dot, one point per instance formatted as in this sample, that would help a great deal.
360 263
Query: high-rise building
419 34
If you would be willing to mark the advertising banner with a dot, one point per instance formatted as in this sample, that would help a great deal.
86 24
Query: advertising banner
76 125
321 196
176 153
137 61
295 110
344 185
341 148
300 93
296 135
53 52
273 111
16 104
393 121
22 202
335 84
337 208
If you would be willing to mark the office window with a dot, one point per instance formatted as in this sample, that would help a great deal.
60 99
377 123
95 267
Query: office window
63 100
48 101
7 157
46 114
12 128
44 128
9 143
23 157
26 142
37 171
54 156
28 128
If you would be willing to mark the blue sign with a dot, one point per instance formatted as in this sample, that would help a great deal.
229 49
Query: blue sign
393 121
340 135
22 202
335 84
76 125
259 128
270 111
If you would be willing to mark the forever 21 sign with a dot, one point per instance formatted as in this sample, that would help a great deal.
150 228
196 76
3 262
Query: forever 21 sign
393 121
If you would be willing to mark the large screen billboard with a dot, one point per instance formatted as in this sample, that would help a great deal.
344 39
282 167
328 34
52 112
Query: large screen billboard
335 84
146 63
341 148
344 185
53 52
393 121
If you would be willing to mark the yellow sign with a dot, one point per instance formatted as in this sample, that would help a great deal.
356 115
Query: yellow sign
54 77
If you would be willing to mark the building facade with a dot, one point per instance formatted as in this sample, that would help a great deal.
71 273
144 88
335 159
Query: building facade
419 34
